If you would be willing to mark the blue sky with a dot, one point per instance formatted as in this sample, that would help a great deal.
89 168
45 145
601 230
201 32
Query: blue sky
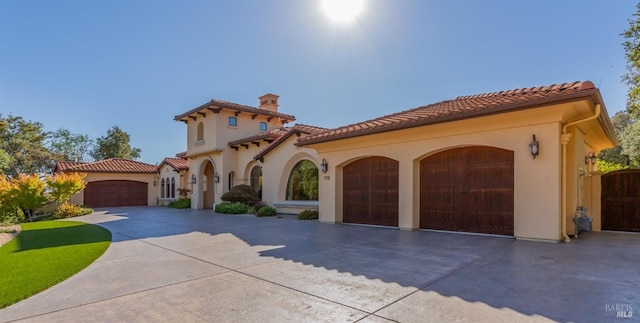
89 65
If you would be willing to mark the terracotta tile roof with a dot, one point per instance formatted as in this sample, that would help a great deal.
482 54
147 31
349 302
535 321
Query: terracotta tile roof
462 107
113 165
176 163
268 136
182 154
62 166
215 105
295 130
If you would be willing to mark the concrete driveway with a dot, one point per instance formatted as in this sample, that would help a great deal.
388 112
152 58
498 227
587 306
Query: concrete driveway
195 265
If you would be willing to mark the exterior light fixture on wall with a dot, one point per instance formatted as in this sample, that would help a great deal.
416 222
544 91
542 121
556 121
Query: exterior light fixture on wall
193 179
216 178
324 166
534 147
591 157
155 182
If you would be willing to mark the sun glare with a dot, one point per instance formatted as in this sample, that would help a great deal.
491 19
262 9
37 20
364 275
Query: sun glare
342 10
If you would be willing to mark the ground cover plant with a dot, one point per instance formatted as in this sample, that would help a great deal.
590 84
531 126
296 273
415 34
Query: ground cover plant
46 253
308 215
183 203
266 211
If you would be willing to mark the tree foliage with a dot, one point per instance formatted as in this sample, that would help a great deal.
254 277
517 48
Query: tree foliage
632 53
24 142
27 192
65 145
115 145
627 152
63 185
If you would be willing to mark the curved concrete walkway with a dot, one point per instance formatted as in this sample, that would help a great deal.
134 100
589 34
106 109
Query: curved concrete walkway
195 265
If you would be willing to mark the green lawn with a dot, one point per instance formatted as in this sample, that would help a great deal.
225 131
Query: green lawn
46 253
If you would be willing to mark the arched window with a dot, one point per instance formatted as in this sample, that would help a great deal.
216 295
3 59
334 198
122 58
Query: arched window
168 194
200 132
162 188
173 187
256 178
303 182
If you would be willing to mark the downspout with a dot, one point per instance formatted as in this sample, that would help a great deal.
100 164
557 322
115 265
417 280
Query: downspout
564 140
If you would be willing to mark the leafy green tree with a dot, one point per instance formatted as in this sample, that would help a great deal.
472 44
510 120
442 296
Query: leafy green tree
632 53
5 161
115 145
65 145
24 142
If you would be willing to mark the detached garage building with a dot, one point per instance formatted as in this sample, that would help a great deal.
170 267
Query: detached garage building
114 182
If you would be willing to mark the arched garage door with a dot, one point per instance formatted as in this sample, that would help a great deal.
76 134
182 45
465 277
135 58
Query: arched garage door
468 189
370 189
115 193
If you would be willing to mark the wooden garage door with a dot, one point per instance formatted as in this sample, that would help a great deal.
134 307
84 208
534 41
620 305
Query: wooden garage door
468 189
115 193
370 189
621 200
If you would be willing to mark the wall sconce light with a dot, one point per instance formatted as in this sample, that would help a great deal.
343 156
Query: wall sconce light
324 167
216 178
534 147
591 157
193 179
155 182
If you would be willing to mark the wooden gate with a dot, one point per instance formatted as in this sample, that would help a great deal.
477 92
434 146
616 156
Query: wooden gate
621 200
468 189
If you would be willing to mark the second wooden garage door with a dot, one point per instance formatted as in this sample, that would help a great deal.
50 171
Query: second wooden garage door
115 193
370 189
468 189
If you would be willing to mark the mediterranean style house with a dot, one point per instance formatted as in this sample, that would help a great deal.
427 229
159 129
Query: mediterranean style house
508 163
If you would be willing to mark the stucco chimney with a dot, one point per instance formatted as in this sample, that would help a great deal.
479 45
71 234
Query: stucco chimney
269 102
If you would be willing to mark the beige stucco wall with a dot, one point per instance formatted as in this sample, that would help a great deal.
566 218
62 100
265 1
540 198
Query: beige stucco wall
148 178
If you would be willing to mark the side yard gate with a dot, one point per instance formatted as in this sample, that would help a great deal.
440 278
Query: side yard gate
621 200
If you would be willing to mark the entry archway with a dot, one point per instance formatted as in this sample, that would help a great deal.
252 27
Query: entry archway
207 184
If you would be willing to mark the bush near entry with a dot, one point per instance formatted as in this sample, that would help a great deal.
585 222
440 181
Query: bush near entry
308 215
180 204
242 194
266 211
232 208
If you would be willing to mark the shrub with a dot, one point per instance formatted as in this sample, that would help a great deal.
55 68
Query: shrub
180 204
266 211
232 208
68 210
241 193
308 215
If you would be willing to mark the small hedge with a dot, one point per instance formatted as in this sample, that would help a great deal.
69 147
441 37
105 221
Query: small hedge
241 193
266 211
308 215
232 208
68 210
180 204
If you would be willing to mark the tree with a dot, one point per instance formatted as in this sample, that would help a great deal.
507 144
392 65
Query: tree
28 193
63 185
5 161
632 53
115 145
627 153
65 145
24 142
